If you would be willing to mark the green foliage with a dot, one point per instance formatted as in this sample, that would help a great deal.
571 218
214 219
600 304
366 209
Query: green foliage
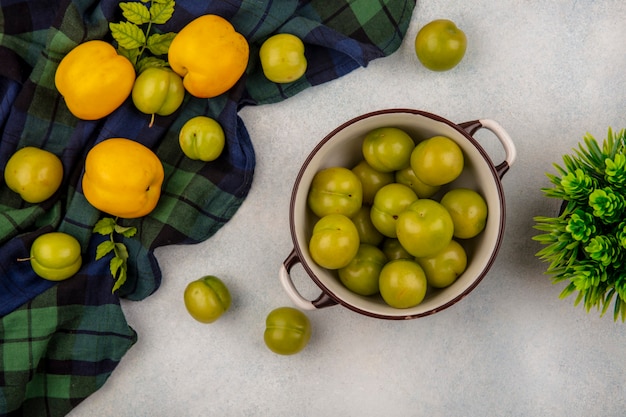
118 263
585 244
134 36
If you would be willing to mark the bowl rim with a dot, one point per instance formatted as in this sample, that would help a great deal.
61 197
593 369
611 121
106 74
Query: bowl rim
328 297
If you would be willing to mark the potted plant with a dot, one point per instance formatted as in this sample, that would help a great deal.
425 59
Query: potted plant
585 244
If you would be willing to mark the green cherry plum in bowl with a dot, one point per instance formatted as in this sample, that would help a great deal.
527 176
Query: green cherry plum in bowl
367 231
334 241
440 45
424 228
55 256
202 138
468 210
389 202
34 173
392 248
371 179
437 160
207 299
407 177
335 190
403 283
444 267
387 149
287 330
361 274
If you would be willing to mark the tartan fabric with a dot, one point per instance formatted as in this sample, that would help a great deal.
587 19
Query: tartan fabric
59 342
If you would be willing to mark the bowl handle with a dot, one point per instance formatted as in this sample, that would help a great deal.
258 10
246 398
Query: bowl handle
324 300
504 138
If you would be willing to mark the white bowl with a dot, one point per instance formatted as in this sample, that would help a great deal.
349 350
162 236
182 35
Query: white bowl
342 147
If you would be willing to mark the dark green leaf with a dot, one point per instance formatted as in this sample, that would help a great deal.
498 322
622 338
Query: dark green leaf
567 291
149 62
606 302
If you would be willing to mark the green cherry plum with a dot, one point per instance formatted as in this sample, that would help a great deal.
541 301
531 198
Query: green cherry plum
389 202
202 138
437 160
335 190
361 274
424 228
207 299
287 331
403 283
393 249
34 173
367 231
407 177
371 179
387 149
468 210
440 45
443 268
55 256
282 58
334 241
158 90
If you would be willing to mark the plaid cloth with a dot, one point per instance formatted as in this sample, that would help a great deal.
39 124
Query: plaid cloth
59 342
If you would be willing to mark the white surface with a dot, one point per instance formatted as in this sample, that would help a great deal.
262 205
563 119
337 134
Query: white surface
548 72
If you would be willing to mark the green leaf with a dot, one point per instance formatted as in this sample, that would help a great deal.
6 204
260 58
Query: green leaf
127 35
159 43
121 251
606 302
121 279
136 13
567 291
149 62
125 231
104 248
117 265
104 226
161 12
131 54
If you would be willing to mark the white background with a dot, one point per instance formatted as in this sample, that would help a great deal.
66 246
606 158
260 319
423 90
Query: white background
548 72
